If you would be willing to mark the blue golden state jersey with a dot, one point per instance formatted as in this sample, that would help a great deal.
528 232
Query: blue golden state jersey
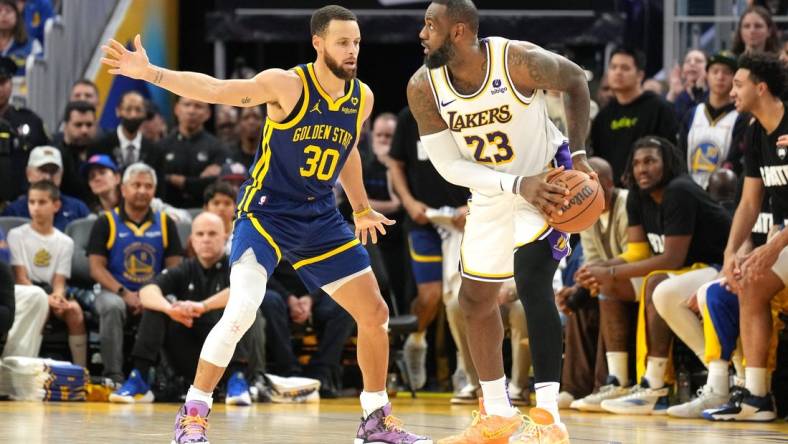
136 254
300 158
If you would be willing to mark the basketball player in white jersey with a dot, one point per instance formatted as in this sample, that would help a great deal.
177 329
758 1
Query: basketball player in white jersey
482 118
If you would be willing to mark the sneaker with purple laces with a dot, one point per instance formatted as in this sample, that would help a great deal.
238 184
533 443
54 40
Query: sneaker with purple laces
381 427
192 423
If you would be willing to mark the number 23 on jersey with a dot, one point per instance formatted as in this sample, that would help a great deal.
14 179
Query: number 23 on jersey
503 154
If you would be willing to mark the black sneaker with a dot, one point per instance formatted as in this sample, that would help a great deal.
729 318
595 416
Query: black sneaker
744 406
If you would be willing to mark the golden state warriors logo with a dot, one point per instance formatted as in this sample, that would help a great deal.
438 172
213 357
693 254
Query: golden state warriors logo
705 158
139 262
42 258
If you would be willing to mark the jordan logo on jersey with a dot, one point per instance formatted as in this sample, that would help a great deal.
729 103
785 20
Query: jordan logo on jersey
316 108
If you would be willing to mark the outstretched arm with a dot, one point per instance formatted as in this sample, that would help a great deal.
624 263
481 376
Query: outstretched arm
237 92
532 68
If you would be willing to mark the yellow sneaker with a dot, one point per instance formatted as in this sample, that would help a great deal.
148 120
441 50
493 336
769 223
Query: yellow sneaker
487 429
540 428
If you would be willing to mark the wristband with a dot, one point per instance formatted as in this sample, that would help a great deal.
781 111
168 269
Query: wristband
577 153
363 212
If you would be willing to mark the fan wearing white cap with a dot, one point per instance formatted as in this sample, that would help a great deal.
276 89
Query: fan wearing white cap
46 163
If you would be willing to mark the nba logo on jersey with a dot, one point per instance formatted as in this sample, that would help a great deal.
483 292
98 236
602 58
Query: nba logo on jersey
497 87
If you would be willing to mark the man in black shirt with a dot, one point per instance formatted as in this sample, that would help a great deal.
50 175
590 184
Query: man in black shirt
127 248
422 192
290 302
192 157
760 277
79 130
632 113
673 224
248 135
181 307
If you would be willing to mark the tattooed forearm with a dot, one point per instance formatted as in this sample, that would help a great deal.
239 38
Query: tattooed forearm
245 100
422 104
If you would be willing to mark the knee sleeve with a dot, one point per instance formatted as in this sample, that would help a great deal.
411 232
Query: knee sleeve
722 330
247 288
534 268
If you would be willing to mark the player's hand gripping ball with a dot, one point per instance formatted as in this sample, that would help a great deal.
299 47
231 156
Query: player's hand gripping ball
586 201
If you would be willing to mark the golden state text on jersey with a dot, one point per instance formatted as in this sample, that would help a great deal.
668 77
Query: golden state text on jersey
300 158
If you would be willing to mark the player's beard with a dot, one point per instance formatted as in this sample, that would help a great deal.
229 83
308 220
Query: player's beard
337 69
441 56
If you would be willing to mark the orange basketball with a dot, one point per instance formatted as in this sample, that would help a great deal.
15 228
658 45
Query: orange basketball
586 201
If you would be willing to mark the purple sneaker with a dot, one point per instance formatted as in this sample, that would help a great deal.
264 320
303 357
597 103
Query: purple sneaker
382 428
191 423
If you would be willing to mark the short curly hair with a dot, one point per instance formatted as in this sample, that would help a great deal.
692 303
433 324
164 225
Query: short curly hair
765 67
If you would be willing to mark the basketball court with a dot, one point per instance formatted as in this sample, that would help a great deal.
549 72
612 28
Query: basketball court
334 421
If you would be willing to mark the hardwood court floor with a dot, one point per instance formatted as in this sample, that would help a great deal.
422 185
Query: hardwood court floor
333 421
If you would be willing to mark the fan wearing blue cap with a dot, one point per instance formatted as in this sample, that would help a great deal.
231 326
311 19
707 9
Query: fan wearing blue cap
102 177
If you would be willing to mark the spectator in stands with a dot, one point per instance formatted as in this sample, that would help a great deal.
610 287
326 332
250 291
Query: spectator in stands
756 32
192 157
7 305
603 93
126 145
36 13
610 317
654 86
154 128
688 82
434 251
127 248
290 303
383 200
673 224
249 130
759 278
84 90
41 260
227 124
46 163
631 114
220 200
79 131
15 43
103 178
709 129
21 130
180 307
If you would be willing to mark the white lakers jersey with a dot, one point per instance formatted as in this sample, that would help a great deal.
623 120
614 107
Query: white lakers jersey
497 126
708 143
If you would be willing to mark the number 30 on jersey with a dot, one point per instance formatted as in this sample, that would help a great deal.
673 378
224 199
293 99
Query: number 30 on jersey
503 154
320 162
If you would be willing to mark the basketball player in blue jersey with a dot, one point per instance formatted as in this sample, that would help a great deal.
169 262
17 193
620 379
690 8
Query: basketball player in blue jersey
481 112
286 210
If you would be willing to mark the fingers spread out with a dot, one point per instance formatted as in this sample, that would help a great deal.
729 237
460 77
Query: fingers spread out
110 51
110 62
117 46
373 234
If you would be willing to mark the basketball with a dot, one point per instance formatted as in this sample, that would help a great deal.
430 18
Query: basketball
586 201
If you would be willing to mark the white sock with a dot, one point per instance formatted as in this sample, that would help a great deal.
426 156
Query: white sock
718 376
547 398
496 399
371 401
655 372
195 394
78 344
755 380
418 338
617 365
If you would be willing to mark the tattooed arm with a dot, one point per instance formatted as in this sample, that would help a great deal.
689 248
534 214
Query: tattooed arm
533 68
265 87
